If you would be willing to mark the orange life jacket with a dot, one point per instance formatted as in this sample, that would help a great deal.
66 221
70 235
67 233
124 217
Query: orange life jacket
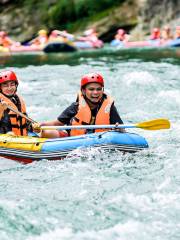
18 123
84 115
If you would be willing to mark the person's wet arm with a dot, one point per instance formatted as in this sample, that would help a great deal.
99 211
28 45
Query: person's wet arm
115 118
66 116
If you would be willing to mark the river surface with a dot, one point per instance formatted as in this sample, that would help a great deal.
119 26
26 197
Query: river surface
92 195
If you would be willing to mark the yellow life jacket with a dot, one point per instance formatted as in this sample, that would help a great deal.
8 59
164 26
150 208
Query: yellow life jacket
18 123
84 115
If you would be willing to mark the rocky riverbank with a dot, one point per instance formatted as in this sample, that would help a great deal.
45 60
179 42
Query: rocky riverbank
138 17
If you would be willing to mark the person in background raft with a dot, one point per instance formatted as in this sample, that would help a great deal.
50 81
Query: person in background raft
177 35
10 122
121 35
92 106
166 34
155 34
6 41
41 39
60 36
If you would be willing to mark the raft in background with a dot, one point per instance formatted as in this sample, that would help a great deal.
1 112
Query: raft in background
71 46
142 44
88 44
55 47
27 48
29 149
83 45
174 43
20 49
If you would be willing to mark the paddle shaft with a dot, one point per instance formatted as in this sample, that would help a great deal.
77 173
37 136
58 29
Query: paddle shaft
21 114
155 124
111 126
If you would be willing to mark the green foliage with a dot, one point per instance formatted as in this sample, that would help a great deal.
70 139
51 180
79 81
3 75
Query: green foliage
24 2
63 12
91 7
66 13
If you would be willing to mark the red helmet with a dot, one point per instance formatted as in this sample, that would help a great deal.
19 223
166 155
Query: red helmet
92 78
8 76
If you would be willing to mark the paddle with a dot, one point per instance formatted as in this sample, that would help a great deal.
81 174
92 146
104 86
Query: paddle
155 124
20 113
28 41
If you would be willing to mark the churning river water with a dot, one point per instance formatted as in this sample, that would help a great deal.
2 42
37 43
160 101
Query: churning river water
92 195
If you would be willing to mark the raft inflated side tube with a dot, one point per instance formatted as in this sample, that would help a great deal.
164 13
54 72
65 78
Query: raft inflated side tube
28 149
174 43
56 47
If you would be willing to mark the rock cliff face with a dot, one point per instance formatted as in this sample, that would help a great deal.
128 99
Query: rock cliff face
156 13
19 22
136 16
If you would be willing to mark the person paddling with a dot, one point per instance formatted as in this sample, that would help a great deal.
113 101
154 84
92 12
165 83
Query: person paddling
92 106
10 122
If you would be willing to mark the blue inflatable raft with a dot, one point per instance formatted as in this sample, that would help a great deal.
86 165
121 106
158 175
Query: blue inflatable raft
29 149
174 43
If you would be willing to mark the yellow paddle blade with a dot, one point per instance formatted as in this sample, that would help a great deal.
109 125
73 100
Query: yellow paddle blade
155 124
